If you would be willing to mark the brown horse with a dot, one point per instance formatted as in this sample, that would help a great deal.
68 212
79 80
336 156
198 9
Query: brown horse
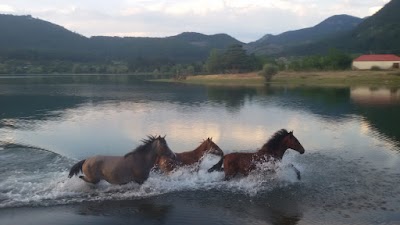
272 150
134 166
167 164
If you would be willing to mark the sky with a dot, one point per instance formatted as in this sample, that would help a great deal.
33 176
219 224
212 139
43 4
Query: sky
245 20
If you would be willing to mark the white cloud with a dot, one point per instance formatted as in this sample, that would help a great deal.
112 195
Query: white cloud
374 9
6 9
243 19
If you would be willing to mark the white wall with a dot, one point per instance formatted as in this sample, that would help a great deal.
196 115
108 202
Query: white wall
366 65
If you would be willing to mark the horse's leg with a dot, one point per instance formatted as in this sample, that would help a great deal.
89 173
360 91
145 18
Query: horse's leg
93 181
230 173
218 166
297 171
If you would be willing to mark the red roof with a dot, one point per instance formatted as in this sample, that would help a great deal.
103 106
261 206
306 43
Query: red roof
386 57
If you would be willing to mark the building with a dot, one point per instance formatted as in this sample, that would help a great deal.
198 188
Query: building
385 62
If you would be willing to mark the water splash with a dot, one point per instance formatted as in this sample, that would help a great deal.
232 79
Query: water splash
44 182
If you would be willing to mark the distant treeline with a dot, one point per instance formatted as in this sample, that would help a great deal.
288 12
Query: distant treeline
232 60
334 60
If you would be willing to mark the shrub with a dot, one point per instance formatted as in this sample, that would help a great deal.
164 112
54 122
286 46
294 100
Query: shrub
268 71
376 68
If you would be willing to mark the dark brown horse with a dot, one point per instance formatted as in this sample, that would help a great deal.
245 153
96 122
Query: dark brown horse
134 166
272 150
167 164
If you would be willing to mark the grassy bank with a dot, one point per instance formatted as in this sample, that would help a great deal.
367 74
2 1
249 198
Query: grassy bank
346 78
337 78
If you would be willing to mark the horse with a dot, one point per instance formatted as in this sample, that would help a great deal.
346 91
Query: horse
133 166
273 150
167 164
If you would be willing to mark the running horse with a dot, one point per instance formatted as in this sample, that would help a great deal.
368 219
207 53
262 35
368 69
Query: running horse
167 164
134 166
273 150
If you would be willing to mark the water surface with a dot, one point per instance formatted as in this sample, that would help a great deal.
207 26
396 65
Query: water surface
350 171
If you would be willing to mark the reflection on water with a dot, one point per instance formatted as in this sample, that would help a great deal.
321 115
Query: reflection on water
146 208
232 97
124 113
375 96
350 168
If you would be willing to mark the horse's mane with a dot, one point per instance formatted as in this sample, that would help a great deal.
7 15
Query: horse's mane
143 147
206 140
275 140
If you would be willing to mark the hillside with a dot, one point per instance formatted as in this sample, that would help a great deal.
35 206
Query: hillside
274 44
28 38
185 47
31 39
202 40
28 32
379 33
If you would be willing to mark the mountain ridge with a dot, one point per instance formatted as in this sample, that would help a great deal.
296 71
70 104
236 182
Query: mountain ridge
26 37
273 44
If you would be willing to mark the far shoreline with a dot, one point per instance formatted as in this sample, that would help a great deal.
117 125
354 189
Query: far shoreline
317 78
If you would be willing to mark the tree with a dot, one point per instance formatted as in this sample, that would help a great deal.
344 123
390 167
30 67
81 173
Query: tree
337 60
268 71
214 62
235 59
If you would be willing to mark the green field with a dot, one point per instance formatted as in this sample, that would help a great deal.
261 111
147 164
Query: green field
334 78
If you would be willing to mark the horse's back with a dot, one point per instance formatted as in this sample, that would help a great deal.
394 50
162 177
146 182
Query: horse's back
187 158
237 162
102 160
103 167
236 157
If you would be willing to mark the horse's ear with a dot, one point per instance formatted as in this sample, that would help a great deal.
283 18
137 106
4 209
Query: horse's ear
164 136
291 132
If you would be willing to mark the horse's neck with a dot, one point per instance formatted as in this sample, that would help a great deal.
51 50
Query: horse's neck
190 157
275 153
199 151
149 158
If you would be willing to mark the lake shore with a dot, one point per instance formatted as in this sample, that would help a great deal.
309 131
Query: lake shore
320 78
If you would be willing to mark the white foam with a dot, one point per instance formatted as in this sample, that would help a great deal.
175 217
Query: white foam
55 188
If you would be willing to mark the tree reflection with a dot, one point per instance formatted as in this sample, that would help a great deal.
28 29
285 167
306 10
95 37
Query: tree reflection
232 97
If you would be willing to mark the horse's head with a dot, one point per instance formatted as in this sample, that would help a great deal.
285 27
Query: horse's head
292 142
162 150
209 146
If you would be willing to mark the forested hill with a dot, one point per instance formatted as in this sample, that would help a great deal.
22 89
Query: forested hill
214 41
185 47
25 37
27 32
379 33
274 44
31 39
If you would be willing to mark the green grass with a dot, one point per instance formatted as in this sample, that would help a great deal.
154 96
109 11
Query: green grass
326 78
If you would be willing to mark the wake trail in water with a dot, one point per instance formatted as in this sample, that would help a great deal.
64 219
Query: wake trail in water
39 178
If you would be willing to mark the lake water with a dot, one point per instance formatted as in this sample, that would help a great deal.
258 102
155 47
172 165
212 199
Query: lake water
350 170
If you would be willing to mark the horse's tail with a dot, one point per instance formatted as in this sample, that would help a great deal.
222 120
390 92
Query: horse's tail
218 166
76 168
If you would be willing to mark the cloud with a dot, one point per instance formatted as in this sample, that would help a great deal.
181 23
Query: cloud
375 9
6 9
243 19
